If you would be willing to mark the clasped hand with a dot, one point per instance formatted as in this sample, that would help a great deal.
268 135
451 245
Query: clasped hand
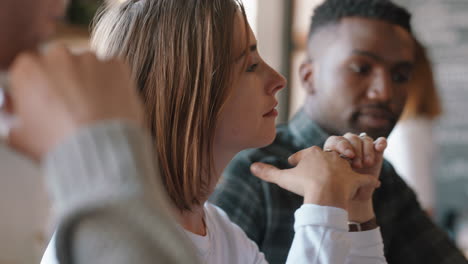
343 176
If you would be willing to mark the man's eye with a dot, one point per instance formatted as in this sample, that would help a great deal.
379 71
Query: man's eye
401 77
363 69
252 67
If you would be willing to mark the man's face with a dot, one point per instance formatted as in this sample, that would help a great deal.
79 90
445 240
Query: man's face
26 23
359 78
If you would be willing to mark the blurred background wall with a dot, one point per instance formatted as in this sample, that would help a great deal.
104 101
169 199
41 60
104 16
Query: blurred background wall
443 28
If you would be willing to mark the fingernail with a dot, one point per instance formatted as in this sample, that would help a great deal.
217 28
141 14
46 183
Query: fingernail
381 140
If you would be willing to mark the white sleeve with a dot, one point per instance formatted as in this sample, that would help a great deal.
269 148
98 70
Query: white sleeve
366 247
49 256
322 237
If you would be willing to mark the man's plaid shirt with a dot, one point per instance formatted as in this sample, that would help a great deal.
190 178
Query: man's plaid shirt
266 212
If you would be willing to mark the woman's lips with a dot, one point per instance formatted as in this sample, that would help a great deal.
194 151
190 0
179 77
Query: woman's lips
272 113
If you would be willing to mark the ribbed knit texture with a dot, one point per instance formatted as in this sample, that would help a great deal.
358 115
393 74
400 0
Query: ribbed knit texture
111 206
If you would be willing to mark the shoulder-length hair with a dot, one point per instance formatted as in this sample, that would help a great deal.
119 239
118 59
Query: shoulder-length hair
423 98
182 55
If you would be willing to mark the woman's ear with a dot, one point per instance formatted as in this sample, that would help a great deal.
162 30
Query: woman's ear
306 72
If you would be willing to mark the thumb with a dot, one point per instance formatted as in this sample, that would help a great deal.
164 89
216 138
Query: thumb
265 172
295 158
366 180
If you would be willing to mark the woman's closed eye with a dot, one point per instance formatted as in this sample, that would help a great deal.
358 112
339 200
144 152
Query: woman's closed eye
252 67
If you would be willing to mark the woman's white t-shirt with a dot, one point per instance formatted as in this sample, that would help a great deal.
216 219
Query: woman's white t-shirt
224 241
321 237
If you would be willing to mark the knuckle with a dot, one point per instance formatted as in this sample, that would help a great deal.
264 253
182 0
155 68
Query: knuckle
336 138
313 150
354 137
59 51
330 140
266 171
26 56
344 143
88 57
24 64
23 59
299 154
333 154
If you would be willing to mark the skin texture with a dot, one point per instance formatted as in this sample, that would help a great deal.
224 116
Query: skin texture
35 19
247 120
321 177
68 84
76 91
57 77
242 122
357 76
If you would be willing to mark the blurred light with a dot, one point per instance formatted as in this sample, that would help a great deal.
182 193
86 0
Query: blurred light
251 10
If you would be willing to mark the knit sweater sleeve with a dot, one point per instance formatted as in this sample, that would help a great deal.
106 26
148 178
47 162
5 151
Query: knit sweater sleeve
106 191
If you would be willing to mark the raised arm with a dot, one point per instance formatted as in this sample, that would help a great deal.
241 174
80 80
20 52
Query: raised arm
81 118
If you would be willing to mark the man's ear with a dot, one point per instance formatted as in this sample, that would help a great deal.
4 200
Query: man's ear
306 72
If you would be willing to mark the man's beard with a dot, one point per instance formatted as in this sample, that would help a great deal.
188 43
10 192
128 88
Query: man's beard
379 111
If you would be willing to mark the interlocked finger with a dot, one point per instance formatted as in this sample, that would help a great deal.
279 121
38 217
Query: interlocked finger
357 144
340 145
368 149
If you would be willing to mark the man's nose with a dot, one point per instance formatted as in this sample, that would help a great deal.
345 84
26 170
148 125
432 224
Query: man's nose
381 88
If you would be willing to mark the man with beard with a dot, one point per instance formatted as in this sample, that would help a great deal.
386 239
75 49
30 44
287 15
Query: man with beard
357 73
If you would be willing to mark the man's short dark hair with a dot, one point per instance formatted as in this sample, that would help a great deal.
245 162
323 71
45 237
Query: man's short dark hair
332 11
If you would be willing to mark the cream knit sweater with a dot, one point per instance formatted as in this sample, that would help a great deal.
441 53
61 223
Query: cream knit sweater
111 205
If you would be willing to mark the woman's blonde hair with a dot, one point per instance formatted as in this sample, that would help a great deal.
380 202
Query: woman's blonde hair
182 55
423 99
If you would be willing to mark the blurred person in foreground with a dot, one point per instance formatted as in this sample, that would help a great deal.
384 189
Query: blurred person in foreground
412 147
357 73
92 146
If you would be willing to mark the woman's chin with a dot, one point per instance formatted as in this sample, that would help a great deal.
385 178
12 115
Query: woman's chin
261 139
265 139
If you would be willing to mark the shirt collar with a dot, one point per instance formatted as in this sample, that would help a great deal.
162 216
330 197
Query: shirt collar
306 131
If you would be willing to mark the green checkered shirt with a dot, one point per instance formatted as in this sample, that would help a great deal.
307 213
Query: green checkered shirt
266 212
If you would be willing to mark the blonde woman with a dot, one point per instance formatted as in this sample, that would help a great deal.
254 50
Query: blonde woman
208 95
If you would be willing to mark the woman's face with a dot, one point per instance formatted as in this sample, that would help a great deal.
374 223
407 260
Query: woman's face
248 117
